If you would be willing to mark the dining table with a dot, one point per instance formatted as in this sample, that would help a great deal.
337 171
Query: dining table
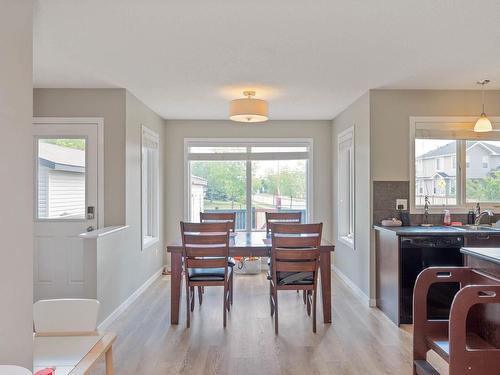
250 244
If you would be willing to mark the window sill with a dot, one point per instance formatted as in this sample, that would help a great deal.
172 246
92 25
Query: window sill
349 241
149 241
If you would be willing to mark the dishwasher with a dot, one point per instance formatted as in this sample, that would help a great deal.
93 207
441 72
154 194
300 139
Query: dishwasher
419 253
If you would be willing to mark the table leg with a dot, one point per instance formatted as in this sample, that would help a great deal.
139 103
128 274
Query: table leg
326 285
109 362
175 287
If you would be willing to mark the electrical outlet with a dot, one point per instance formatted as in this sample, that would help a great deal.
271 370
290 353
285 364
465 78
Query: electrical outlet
402 204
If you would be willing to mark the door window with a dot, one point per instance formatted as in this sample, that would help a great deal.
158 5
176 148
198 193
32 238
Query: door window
61 178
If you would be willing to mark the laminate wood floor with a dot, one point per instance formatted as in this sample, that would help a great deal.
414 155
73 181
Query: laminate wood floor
360 340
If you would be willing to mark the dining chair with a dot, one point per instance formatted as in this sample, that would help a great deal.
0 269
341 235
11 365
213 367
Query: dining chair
206 252
294 217
295 263
219 217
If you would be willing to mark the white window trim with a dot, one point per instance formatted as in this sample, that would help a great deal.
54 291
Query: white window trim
99 122
148 241
440 122
350 239
249 142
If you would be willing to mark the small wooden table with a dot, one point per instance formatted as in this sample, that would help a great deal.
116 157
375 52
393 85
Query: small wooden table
246 244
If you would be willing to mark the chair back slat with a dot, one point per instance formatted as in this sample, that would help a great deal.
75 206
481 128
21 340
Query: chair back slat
204 241
309 266
196 252
295 241
199 239
304 253
206 263
219 217
282 217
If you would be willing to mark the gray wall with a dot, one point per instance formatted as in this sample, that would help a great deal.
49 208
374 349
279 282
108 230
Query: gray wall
127 265
106 103
16 148
177 130
355 263
390 123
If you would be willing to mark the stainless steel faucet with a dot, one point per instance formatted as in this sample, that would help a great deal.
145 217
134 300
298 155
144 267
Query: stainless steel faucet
477 221
426 210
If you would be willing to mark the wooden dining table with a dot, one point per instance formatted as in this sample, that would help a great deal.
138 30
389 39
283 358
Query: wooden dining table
248 244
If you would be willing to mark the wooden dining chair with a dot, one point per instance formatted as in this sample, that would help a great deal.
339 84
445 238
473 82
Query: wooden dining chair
282 217
295 263
220 217
206 252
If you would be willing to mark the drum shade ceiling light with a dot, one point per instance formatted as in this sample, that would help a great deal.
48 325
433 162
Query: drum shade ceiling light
248 109
483 123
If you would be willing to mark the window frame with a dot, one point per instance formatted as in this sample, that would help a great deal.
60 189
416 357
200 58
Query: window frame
248 157
154 217
451 125
350 238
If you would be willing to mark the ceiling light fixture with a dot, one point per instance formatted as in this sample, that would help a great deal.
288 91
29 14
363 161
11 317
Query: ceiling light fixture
248 109
483 123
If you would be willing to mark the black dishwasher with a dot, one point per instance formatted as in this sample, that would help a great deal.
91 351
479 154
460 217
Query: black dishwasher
418 253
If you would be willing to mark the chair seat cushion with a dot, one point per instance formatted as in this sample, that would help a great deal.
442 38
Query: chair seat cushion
436 361
295 278
206 274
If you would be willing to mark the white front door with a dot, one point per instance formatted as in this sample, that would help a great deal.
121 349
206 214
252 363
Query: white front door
65 200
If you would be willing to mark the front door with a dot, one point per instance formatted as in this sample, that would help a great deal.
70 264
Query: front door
65 199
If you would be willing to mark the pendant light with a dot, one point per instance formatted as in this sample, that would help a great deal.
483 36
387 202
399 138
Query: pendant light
248 109
483 123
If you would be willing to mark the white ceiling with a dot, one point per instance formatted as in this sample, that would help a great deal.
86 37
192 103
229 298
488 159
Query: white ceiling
310 59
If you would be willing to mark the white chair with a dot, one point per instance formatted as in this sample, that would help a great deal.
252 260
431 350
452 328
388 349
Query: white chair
14 370
56 316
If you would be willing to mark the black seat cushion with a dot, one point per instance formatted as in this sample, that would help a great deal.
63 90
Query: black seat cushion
295 278
206 274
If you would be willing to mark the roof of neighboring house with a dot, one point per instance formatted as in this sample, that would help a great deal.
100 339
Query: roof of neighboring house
195 180
450 148
62 158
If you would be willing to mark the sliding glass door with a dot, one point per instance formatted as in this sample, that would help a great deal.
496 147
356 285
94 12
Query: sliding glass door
249 178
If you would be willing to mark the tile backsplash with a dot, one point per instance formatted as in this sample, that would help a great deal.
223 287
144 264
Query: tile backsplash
385 194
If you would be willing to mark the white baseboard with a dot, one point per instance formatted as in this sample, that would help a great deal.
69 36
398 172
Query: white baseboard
358 293
130 300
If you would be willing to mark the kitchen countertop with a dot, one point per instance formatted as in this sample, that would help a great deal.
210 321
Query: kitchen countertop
487 253
437 230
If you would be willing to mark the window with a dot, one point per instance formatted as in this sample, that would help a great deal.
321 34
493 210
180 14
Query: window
249 178
453 166
483 177
439 164
485 161
435 182
150 187
345 178
61 178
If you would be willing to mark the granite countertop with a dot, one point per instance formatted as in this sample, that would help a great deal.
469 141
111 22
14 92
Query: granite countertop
487 253
437 230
